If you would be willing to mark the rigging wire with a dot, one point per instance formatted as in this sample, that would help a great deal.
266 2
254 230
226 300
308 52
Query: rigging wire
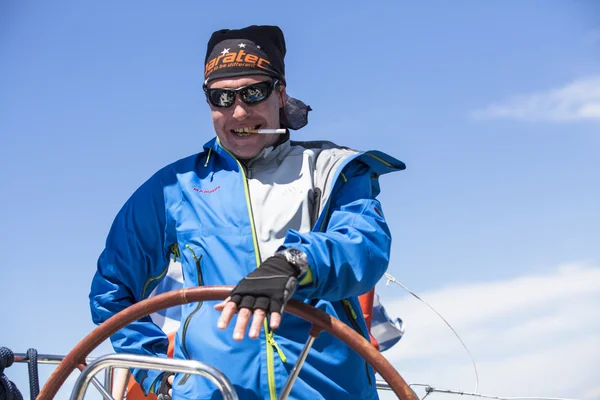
394 280
430 389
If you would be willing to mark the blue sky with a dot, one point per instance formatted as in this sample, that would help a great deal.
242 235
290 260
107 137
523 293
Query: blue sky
494 107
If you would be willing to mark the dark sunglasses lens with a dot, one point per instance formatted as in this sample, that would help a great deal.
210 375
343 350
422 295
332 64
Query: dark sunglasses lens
256 93
221 97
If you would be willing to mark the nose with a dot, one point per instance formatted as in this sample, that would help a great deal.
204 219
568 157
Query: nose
240 110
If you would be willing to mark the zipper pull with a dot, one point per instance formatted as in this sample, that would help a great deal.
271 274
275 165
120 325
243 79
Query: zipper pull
193 252
349 306
272 342
175 252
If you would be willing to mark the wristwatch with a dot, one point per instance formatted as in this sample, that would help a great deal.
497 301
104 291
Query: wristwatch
295 257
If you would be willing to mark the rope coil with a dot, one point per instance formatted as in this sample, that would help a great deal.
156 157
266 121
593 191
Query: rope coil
8 390
34 379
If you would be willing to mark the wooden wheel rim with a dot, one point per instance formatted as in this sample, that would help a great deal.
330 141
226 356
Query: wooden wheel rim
320 321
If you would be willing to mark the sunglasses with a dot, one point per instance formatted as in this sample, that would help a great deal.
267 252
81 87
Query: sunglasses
251 94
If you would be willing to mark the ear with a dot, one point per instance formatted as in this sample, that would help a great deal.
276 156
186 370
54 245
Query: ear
282 96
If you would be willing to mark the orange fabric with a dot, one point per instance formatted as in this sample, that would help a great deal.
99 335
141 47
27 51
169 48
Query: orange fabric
366 304
134 391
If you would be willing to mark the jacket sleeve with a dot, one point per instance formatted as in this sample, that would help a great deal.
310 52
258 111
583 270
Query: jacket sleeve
349 256
133 262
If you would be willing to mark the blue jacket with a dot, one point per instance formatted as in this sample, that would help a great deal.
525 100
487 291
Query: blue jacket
199 209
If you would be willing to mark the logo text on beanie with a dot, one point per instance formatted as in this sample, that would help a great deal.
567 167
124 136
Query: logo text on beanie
239 58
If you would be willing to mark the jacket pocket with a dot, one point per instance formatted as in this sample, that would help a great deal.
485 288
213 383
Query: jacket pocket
186 324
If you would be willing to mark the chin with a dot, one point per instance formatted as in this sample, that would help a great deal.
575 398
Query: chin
246 155
246 148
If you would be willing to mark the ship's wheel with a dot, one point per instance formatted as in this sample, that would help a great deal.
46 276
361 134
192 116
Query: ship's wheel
320 321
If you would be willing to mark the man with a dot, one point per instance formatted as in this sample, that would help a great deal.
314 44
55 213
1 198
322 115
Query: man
273 217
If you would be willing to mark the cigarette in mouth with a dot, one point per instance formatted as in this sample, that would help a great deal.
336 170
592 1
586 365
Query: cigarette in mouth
269 131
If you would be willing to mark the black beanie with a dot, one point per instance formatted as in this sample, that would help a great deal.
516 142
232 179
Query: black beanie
254 50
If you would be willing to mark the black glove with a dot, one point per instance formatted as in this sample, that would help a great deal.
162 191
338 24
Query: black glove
269 287
165 386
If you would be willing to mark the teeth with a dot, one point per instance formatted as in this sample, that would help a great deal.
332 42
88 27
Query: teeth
246 130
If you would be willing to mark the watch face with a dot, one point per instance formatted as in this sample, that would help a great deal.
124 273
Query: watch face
297 257
295 252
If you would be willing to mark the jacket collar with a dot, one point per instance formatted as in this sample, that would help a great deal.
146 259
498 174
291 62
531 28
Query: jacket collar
265 156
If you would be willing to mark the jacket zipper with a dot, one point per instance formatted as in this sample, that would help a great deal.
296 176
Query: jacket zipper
189 317
269 334
316 207
352 317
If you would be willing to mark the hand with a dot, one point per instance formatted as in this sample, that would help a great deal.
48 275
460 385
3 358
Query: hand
165 391
266 289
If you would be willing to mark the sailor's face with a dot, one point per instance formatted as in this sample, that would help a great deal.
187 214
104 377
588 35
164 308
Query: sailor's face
229 122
